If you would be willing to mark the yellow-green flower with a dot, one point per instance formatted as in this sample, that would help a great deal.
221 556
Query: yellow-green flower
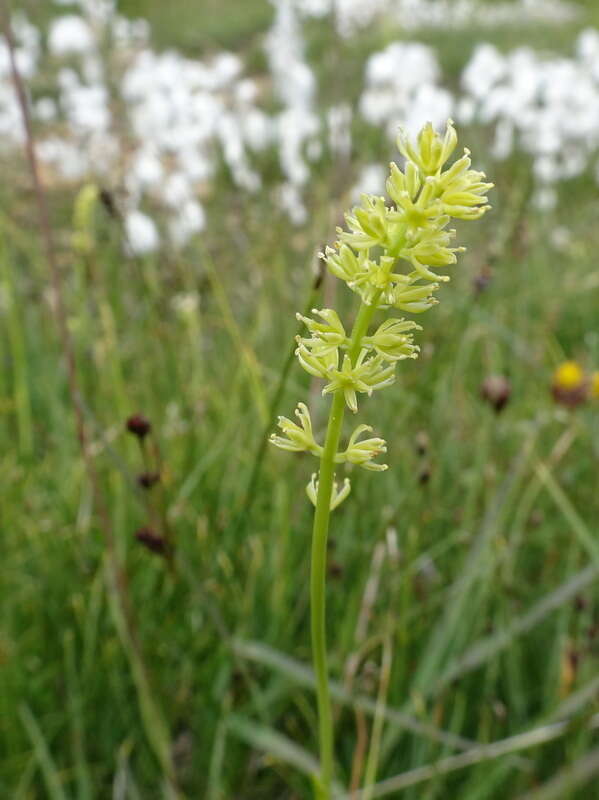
368 224
328 335
367 375
363 451
389 254
297 438
391 341
338 495
431 152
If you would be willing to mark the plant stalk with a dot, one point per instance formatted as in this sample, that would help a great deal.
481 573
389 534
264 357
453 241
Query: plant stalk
320 532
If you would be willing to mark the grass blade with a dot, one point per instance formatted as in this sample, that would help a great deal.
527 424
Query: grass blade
476 755
304 676
488 647
273 743
42 754
567 779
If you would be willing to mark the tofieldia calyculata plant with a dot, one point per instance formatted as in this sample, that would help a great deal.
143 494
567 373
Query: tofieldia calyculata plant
387 257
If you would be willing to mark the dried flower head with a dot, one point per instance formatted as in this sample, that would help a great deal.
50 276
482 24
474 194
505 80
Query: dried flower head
496 390
148 479
139 425
151 540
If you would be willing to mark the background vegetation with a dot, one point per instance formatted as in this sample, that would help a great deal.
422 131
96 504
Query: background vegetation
464 579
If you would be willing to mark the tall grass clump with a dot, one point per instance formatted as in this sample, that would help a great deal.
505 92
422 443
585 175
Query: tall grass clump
381 237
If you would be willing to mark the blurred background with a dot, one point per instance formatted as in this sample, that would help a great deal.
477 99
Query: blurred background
193 159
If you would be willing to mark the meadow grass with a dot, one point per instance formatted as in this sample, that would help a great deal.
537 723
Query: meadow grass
462 590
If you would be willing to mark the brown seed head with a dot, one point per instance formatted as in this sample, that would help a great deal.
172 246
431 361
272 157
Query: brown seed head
422 442
139 425
496 391
424 475
482 280
335 570
147 479
152 540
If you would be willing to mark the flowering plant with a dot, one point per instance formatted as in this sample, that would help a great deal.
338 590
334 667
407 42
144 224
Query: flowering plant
381 237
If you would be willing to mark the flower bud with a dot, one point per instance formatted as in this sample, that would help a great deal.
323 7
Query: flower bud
151 540
148 479
496 390
430 151
139 426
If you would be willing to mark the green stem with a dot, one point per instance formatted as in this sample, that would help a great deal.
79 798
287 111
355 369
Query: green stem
320 532
317 592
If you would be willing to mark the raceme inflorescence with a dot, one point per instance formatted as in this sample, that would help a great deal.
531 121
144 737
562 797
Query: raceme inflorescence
389 256
413 230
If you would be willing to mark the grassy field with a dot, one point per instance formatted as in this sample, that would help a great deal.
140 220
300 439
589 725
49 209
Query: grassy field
463 581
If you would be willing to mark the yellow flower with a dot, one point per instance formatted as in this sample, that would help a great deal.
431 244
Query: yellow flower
595 385
568 376
570 386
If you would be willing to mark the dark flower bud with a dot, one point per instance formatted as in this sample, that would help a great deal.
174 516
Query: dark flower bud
152 540
335 570
138 425
147 479
482 280
537 517
422 443
580 602
424 475
574 659
496 391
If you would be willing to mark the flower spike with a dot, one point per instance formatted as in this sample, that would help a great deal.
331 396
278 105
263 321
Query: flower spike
389 256
392 255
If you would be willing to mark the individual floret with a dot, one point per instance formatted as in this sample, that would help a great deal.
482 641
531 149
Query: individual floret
337 495
392 341
297 438
367 375
363 452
